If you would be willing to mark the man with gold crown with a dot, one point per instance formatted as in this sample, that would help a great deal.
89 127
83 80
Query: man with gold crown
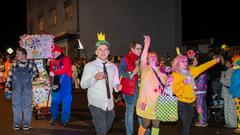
100 77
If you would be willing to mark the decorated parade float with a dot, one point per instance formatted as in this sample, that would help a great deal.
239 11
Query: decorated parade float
39 49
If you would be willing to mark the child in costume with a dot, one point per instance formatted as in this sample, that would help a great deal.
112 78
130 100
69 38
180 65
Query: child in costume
201 83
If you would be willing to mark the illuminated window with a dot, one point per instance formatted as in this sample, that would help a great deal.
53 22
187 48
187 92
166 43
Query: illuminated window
68 9
41 24
53 17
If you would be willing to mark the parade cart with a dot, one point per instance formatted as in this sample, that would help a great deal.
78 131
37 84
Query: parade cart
39 49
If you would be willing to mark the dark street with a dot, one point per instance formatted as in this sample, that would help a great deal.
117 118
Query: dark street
80 123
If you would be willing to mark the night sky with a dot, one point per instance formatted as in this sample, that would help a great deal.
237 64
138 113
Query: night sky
204 19
13 23
201 19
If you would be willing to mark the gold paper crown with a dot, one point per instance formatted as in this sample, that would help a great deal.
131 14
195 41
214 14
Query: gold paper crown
101 36
223 46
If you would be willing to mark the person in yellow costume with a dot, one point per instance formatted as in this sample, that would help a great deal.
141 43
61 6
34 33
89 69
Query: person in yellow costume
152 81
183 86
7 67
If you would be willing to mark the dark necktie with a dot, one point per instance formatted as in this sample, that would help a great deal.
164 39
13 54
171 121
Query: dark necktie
106 80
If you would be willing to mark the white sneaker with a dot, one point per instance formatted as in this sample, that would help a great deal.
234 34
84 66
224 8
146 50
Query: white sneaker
25 127
16 127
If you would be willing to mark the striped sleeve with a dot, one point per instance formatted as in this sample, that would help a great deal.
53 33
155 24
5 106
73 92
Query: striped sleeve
33 70
10 76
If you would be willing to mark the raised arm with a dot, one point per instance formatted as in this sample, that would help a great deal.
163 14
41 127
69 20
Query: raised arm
199 69
147 41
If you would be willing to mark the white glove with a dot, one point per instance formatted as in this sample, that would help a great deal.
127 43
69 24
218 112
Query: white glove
51 73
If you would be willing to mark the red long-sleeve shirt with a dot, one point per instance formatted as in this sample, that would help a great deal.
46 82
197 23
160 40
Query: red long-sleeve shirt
66 66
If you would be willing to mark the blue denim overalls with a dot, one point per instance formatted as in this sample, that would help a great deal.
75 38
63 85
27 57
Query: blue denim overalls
64 96
22 96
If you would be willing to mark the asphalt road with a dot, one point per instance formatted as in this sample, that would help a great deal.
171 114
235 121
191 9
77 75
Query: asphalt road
81 124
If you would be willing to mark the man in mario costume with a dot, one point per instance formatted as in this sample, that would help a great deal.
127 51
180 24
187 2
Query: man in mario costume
61 67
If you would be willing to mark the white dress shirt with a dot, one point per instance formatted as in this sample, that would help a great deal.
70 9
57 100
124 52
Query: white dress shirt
97 91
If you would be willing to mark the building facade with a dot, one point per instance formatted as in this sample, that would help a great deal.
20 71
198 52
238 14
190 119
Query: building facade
122 21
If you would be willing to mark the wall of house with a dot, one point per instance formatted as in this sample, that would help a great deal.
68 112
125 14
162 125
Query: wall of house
121 20
43 8
126 20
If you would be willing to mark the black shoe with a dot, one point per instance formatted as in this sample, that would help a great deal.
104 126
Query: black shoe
52 121
65 124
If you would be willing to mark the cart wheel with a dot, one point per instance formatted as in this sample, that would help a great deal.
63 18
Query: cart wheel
48 117
36 117
35 113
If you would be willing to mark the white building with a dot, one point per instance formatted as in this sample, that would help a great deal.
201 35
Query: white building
121 20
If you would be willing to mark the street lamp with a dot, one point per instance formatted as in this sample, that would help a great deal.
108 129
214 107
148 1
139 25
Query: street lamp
10 50
80 46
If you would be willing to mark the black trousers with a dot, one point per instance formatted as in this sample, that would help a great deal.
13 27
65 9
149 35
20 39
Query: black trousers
185 112
102 120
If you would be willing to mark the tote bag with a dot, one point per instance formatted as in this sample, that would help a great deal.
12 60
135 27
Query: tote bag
166 109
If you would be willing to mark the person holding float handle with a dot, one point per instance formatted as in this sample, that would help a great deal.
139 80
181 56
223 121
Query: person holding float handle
20 77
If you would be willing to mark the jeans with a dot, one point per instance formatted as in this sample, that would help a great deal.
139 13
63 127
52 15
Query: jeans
22 104
185 111
130 102
102 120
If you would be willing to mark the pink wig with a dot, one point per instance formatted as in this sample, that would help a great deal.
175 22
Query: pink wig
176 62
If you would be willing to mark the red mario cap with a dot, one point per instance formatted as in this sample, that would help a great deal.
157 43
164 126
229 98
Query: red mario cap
57 49
191 53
